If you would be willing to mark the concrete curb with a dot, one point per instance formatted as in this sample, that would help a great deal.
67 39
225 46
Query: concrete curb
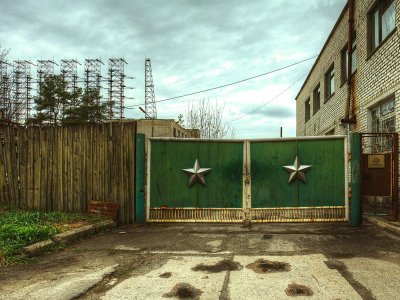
67 237
385 225
37 248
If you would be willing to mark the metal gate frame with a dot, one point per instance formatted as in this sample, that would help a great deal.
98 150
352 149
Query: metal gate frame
394 151
247 214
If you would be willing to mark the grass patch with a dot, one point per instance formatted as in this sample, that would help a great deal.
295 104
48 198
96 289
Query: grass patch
22 228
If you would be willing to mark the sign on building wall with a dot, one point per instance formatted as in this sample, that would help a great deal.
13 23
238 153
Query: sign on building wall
376 161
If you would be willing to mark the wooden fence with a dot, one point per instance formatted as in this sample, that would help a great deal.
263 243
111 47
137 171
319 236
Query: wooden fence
63 168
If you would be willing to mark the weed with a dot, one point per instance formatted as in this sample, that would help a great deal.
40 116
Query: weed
21 228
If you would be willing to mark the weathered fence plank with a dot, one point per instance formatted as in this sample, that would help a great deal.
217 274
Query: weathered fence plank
63 168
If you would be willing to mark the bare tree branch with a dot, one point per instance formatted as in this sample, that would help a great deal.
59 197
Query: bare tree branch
3 53
208 118
5 90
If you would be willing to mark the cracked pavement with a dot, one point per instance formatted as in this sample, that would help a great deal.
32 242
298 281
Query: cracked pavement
323 261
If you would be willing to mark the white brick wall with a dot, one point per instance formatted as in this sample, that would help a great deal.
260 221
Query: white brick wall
376 77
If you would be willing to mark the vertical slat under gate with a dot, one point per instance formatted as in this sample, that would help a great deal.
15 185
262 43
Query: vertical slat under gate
214 215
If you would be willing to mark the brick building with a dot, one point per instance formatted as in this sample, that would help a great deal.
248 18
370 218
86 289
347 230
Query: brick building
162 128
372 97
165 128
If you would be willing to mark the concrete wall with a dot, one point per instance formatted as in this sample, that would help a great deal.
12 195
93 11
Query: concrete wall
165 128
377 76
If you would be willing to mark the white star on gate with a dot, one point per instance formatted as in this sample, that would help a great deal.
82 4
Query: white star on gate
297 171
196 173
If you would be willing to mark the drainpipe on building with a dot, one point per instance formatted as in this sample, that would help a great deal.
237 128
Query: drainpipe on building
349 102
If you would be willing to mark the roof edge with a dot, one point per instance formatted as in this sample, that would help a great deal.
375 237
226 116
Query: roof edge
325 45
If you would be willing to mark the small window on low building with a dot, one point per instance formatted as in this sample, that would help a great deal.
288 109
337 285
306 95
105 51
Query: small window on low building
307 110
329 83
316 99
381 22
345 61
174 132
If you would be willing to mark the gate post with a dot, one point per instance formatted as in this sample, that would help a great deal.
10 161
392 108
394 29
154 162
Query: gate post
355 206
395 174
246 183
139 178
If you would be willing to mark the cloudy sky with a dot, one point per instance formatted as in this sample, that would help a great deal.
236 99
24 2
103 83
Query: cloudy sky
193 45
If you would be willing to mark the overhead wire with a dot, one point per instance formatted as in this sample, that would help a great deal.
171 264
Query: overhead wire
269 101
232 83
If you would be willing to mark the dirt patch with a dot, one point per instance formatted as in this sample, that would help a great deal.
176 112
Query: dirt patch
166 275
339 255
221 266
295 289
267 236
184 291
336 265
266 266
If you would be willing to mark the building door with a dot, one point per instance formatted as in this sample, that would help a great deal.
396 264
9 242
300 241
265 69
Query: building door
379 174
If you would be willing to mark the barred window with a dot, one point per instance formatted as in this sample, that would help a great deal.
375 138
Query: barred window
383 118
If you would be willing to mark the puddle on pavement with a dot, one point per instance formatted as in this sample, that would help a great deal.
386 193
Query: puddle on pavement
184 291
221 266
166 275
266 266
298 290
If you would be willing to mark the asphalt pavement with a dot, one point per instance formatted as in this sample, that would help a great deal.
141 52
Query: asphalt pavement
216 261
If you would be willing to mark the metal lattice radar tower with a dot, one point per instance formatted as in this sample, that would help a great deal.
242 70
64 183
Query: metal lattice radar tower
93 75
5 89
150 101
44 68
116 88
22 84
69 70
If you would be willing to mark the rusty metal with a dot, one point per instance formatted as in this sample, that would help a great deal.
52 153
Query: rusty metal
350 36
381 200
256 215
179 215
395 208
299 214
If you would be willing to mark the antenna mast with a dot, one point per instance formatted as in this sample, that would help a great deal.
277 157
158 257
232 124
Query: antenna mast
150 101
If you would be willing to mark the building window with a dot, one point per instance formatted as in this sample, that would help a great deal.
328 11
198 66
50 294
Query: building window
329 83
381 22
345 60
174 132
316 99
307 110
383 117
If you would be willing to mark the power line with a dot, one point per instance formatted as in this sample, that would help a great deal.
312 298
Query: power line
233 83
269 101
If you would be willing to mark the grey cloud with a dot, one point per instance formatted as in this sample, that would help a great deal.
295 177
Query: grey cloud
184 39
277 112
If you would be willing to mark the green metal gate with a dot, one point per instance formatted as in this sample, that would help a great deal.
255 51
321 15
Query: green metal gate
247 180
